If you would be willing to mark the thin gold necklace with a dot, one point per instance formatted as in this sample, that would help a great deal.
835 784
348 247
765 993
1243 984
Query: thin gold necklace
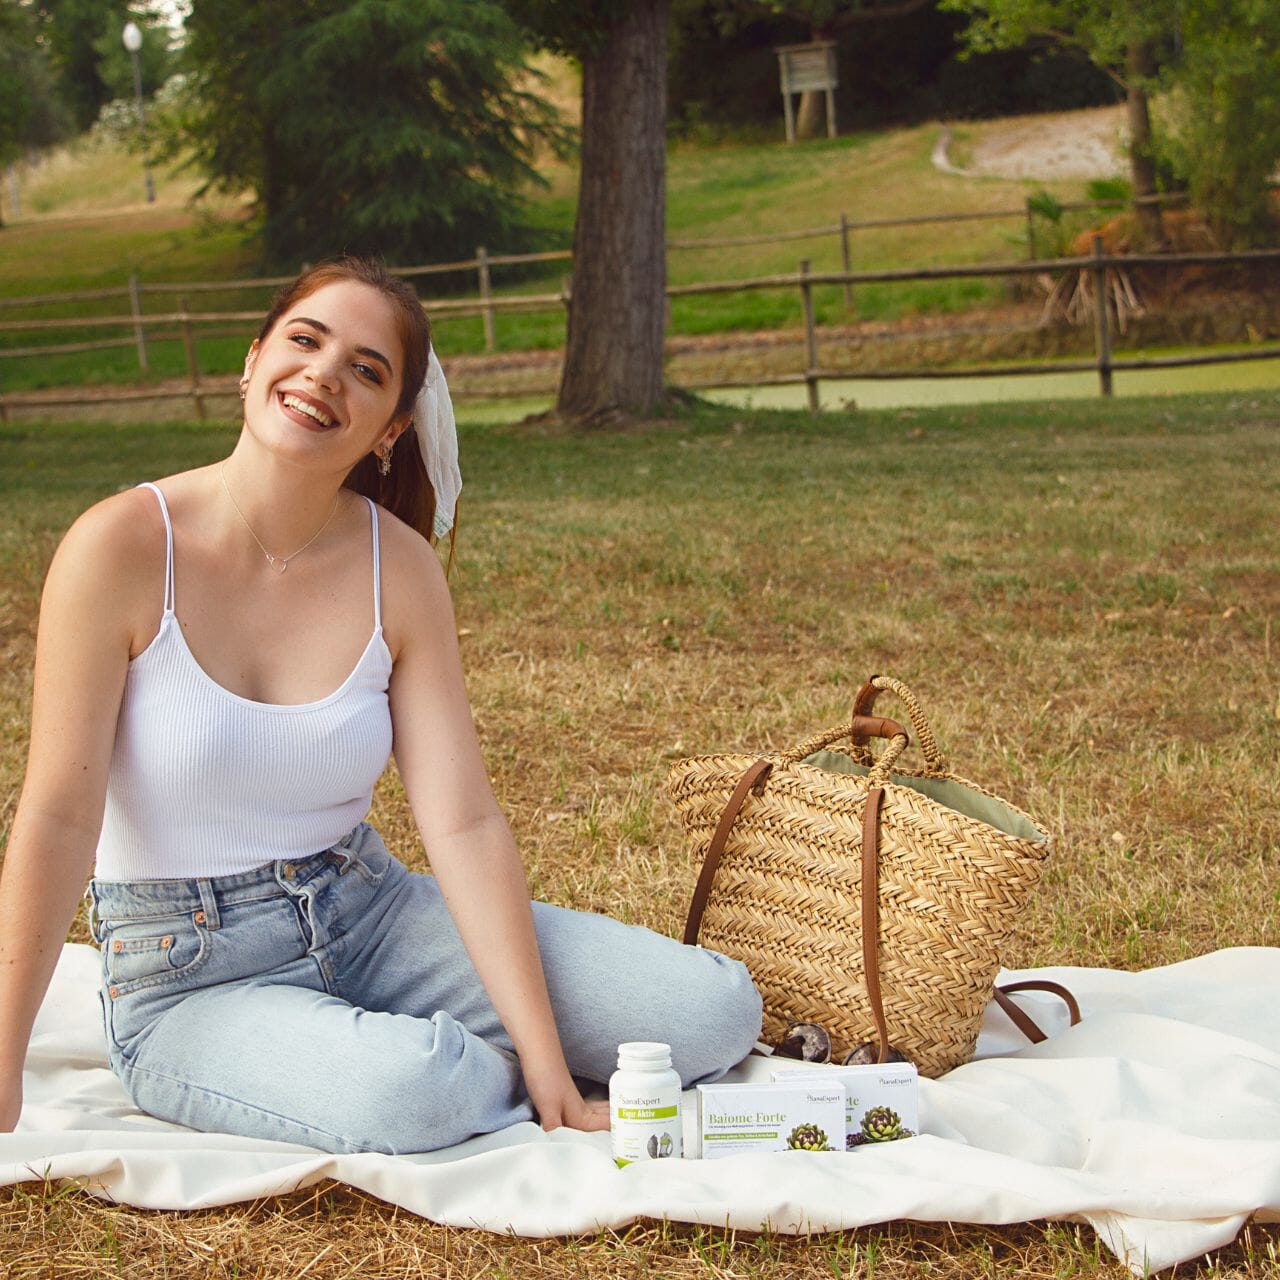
278 563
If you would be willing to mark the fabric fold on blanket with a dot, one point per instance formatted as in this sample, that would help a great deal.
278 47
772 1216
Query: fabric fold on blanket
1156 1121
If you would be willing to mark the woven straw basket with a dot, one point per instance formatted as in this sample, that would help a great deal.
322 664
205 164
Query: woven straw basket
912 965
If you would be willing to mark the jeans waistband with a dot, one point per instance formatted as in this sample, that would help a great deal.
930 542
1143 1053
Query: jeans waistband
124 899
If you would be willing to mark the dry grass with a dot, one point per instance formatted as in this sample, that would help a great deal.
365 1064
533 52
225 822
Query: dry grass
1086 596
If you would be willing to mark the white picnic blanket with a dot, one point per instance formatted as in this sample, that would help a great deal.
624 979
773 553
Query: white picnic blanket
1156 1120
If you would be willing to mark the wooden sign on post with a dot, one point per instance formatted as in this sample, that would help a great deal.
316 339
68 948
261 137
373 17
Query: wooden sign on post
806 68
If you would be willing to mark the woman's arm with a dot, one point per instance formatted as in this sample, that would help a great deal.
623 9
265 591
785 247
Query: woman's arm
466 836
82 655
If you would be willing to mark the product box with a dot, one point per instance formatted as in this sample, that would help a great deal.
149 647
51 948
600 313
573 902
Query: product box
795 1116
882 1103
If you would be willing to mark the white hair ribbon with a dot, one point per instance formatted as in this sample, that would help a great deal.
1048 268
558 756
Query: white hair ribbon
438 443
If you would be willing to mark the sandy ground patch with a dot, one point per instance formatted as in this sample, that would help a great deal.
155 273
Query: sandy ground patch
1074 144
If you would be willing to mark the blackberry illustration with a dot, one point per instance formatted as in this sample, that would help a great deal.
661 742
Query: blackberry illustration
808 1137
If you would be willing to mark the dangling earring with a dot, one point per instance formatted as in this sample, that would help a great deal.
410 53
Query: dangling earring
244 387
384 462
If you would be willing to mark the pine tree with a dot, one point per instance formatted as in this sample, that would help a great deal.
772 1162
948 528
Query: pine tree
395 127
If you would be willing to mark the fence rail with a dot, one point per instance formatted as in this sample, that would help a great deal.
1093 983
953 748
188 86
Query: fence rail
1095 266
486 304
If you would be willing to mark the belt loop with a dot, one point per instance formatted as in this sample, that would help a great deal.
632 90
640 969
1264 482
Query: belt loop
209 906
94 916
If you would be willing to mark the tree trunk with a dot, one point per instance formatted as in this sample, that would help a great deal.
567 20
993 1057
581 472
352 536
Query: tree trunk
613 349
1142 164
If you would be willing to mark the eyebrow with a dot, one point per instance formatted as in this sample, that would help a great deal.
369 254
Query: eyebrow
371 352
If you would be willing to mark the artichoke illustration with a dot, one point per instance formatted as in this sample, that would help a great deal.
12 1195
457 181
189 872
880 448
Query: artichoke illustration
665 1147
883 1124
652 1146
808 1137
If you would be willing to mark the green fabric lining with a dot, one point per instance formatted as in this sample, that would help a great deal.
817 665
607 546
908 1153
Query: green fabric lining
946 792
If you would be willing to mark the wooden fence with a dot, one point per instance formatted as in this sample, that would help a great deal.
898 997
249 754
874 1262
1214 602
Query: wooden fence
484 304
1094 266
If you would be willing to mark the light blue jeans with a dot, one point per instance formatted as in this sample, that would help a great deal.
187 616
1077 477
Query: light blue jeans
330 1002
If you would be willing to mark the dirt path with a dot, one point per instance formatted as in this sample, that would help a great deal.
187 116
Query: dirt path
1071 144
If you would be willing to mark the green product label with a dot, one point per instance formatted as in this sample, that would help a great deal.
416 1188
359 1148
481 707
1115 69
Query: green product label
738 1137
646 1113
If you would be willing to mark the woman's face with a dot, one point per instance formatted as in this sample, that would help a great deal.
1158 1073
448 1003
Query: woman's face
323 384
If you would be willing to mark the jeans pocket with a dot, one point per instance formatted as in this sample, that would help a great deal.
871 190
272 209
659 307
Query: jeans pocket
370 859
151 952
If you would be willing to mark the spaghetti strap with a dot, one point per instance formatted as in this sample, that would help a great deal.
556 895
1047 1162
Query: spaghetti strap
168 546
377 567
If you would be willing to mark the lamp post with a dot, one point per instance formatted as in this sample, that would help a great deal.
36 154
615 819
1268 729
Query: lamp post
132 37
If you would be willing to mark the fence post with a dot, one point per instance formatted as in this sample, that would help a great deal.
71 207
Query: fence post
1101 327
193 365
847 258
810 338
486 295
135 306
1031 231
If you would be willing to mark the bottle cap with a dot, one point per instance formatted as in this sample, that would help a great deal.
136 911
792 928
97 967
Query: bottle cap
644 1055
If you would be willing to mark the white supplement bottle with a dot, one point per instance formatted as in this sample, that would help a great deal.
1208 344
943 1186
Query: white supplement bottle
644 1104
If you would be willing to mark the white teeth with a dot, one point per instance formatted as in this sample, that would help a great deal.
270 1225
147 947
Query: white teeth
292 402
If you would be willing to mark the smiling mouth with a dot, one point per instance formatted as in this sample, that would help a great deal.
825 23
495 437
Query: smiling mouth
312 411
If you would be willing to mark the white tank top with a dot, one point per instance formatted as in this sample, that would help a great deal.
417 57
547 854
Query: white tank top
204 782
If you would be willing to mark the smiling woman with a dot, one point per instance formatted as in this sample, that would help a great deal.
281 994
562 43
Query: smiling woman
266 631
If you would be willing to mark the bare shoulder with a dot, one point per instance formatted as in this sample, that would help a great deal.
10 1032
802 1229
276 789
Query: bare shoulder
112 560
124 531
415 596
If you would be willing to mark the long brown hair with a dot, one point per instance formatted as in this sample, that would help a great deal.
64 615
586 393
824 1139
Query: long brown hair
406 492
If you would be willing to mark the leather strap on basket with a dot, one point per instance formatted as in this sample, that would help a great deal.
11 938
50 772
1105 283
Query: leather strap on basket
871 915
715 851
1021 1018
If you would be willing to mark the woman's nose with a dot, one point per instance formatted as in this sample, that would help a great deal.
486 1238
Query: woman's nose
323 369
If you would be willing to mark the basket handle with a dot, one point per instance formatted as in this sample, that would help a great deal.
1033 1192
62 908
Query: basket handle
863 705
863 727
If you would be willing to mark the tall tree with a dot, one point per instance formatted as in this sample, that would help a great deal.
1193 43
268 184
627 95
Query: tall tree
31 114
613 350
1225 115
71 31
1122 37
388 126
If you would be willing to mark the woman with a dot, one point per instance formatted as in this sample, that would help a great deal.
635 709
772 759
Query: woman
263 636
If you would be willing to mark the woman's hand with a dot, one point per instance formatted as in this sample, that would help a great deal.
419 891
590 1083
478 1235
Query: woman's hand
560 1105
